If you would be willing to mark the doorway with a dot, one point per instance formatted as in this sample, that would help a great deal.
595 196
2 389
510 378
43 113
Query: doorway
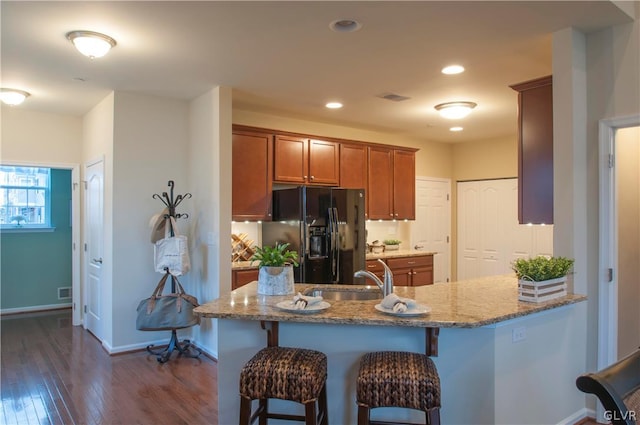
94 214
619 291
431 229
74 223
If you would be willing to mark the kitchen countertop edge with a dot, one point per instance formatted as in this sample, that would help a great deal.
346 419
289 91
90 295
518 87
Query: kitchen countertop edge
466 304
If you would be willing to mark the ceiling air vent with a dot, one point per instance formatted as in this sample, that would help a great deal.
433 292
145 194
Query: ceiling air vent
393 97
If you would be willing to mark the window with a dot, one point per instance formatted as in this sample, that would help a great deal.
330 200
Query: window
25 197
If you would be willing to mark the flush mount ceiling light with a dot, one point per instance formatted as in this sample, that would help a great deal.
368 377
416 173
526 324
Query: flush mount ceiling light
455 110
454 129
333 105
91 44
13 97
453 69
345 25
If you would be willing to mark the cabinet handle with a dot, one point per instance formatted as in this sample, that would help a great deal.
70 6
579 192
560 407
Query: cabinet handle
304 177
390 215
312 177
396 215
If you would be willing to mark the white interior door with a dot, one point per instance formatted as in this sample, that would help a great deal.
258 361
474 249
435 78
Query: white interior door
489 235
431 229
469 250
94 248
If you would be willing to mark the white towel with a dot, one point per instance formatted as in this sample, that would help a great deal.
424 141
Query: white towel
397 304
300 302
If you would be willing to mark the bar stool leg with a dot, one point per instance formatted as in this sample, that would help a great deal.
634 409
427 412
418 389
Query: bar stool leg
433 416
245 411
264 411
322 405
310 413
363 415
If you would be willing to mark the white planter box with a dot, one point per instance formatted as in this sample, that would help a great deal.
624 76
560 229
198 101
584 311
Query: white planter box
542 291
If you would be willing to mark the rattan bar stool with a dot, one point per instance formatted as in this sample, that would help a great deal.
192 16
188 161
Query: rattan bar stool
398 379
294 374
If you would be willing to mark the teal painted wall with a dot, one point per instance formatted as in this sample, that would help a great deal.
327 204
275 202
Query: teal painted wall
34 265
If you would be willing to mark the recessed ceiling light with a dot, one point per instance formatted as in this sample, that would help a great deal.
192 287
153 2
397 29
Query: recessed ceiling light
453 69
455 110
345 25
91 44
334 105
456 129
13 97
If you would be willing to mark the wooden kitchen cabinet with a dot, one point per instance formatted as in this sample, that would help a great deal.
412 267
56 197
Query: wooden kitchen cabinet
306 161
242 277
391 184
404 185
376 268
353 166
380 183
252 159
535 151
412 271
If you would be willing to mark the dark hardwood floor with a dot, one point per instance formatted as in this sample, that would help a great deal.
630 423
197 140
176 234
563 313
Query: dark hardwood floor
55 373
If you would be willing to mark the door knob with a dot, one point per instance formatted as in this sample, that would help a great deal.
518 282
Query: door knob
97 260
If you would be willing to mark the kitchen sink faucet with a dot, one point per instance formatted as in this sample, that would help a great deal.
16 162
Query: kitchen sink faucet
387 286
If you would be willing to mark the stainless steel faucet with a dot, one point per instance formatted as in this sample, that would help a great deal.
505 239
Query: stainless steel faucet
387 286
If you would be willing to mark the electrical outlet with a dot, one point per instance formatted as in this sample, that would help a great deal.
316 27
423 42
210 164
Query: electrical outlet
518 334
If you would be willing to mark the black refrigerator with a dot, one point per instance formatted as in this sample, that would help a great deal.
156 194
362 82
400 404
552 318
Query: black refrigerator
326 226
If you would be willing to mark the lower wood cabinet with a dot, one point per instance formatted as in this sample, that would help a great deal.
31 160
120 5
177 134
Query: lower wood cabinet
242 277
407 271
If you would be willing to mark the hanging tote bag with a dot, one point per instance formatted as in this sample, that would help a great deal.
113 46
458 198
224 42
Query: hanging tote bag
171 253
166 312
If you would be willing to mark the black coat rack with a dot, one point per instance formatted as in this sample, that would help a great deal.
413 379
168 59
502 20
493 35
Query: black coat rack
184 348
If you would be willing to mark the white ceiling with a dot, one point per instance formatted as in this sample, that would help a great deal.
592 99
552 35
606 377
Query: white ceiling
282 56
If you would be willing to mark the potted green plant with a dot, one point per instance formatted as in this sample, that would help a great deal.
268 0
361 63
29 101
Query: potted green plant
542 278
275 275
391 244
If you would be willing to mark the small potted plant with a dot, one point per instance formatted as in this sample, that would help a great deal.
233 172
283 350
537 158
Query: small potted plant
542 278
391 244
275 276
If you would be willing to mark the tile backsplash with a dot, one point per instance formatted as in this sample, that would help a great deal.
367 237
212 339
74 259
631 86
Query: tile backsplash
376 230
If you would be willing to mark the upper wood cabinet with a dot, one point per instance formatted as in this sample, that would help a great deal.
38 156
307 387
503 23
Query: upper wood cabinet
353 166
404 185
306 161
535 151
391 184
252 159
380 184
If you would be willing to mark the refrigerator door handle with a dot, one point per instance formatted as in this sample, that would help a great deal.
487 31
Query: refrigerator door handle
332 242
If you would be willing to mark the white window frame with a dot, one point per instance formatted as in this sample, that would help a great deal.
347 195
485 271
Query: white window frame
30 227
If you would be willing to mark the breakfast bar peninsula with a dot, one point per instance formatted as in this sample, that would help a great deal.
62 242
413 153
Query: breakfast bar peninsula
500 361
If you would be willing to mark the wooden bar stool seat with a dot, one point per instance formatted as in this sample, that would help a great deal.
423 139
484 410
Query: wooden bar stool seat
398 379
285 373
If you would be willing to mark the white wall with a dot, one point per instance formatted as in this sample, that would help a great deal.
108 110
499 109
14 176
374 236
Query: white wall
30 136
149 149
209 157
595 77
97 138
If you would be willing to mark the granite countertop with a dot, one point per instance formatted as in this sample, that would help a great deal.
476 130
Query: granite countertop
465 304
243 265
398 253
246 265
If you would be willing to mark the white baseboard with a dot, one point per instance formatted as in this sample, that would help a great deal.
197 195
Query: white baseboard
132 347
34 308
580 414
